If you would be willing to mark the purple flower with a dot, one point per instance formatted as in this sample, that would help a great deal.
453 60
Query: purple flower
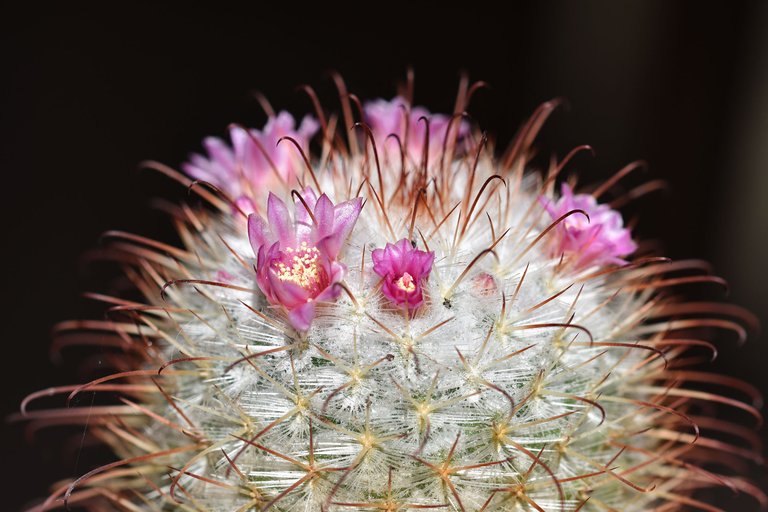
601 239
403 269
244 169
296 262
389 117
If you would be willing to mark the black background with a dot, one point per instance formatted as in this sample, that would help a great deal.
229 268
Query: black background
87 93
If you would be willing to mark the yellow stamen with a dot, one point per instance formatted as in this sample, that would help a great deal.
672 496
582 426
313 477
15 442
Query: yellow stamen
302 269
406 283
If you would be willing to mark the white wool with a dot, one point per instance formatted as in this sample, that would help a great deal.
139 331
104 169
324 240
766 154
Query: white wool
385 401
526 381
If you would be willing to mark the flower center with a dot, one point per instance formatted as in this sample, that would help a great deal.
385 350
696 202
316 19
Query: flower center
300 266
406 283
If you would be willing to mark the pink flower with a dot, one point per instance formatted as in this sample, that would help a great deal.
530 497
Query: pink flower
389 117
296 262
243 169
403 269
599 240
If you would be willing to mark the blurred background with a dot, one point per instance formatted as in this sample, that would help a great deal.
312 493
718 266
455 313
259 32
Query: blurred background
89 93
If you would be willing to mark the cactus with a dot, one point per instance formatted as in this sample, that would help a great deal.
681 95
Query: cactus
405 320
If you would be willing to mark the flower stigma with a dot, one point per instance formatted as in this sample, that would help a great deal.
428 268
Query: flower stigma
406 283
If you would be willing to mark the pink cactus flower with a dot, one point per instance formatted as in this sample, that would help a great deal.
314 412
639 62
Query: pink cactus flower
404 270
601 239
297 263
243 169
389 117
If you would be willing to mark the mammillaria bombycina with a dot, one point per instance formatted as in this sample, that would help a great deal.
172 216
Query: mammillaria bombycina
401 319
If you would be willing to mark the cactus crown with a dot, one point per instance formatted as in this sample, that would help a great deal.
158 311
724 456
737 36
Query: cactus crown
406 321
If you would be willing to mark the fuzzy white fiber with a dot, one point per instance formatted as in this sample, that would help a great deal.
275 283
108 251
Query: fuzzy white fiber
486 399
523 383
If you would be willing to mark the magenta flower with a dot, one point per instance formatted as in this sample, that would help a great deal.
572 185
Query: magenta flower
244 169
389 117
403 269
598 240
296 263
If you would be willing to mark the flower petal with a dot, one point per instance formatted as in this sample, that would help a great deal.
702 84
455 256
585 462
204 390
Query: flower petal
258 232
344 218
324 213
308 128
245 204
287 293
220 152
280 221
304 223
301 317
382 264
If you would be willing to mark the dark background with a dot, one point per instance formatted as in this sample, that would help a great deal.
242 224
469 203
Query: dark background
88 93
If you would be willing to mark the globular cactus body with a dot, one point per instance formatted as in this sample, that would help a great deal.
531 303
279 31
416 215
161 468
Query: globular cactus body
411 322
